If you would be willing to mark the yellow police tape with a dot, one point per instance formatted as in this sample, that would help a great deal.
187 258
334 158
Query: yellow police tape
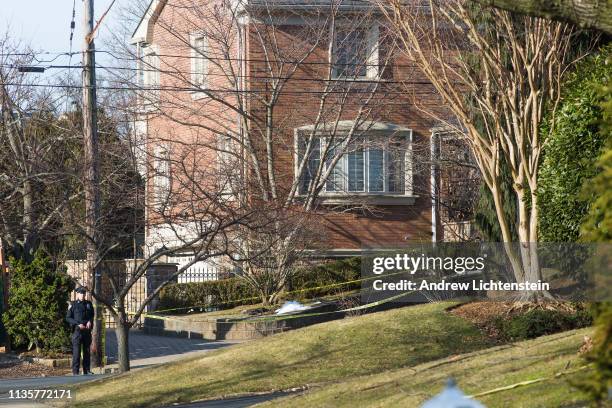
286 293
277 318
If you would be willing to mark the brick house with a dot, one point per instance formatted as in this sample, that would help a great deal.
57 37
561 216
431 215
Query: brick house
206 72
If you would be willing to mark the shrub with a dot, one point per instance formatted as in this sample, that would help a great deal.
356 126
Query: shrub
222 293
597 382
315 281
598 228
307 282
38 301
571 149
538 322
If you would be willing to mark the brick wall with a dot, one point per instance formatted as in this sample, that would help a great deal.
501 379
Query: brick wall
204 118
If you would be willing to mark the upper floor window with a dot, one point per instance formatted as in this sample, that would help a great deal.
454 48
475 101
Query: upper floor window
199 61
372 164
356 52
149 72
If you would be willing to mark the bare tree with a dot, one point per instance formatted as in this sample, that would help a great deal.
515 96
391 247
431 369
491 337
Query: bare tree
584 13
498 73
37 158
189 214
280 118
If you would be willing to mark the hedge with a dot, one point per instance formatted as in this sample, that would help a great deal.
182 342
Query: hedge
306 282
571 151
222 293
536 323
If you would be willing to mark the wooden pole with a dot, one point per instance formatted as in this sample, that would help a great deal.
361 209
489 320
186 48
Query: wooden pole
92 174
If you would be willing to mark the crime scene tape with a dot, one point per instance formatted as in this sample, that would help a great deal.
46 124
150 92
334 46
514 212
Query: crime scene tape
285 293
288 317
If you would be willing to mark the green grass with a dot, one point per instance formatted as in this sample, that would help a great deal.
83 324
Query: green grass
475 373
319 354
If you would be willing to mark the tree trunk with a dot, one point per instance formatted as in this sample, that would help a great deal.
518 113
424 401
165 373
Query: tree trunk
29 240
513 257
123 349
97 355
528 245
265 297
585 13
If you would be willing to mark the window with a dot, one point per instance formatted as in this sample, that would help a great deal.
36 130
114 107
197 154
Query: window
356 52
228 166
149 75
199 61
162 179
371 165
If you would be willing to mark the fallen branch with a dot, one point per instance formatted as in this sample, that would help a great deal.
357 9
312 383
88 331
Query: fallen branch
529 382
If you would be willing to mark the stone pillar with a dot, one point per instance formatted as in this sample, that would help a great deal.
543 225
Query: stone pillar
156 275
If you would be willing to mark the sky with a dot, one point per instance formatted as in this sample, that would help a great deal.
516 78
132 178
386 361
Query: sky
45 24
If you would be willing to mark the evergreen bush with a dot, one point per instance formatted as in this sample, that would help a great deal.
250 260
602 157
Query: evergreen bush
571 149
38 300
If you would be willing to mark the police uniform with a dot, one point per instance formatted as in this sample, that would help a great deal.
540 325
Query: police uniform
80 312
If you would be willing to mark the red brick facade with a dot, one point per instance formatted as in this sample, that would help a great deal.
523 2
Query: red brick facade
392 225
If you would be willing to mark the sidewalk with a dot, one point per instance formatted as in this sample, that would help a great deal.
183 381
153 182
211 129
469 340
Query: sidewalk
145 350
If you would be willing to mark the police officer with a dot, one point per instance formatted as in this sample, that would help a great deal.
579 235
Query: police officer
80 316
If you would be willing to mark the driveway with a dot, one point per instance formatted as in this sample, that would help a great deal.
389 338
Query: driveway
147 349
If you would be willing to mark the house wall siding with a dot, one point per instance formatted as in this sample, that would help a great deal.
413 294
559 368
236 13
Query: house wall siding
383 226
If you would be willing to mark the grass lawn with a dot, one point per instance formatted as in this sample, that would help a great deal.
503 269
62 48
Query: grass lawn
319 354
475 373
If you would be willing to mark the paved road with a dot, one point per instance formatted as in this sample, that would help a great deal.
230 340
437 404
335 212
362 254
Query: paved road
36 383
144 350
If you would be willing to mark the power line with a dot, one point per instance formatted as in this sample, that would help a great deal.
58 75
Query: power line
295 78
72 24
210 90
72 27
228 59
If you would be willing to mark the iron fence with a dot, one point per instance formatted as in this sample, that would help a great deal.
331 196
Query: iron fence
122 271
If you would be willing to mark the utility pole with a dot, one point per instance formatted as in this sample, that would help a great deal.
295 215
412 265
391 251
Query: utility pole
92 174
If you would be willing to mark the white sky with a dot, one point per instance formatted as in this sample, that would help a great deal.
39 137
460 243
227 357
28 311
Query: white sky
45 24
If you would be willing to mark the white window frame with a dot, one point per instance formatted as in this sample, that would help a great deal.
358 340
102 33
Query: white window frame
227 162
343 192
372 68
199 73
150 75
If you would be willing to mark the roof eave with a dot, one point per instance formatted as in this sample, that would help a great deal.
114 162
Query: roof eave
143 32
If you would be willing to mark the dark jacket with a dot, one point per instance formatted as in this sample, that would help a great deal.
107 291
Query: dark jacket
80 312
